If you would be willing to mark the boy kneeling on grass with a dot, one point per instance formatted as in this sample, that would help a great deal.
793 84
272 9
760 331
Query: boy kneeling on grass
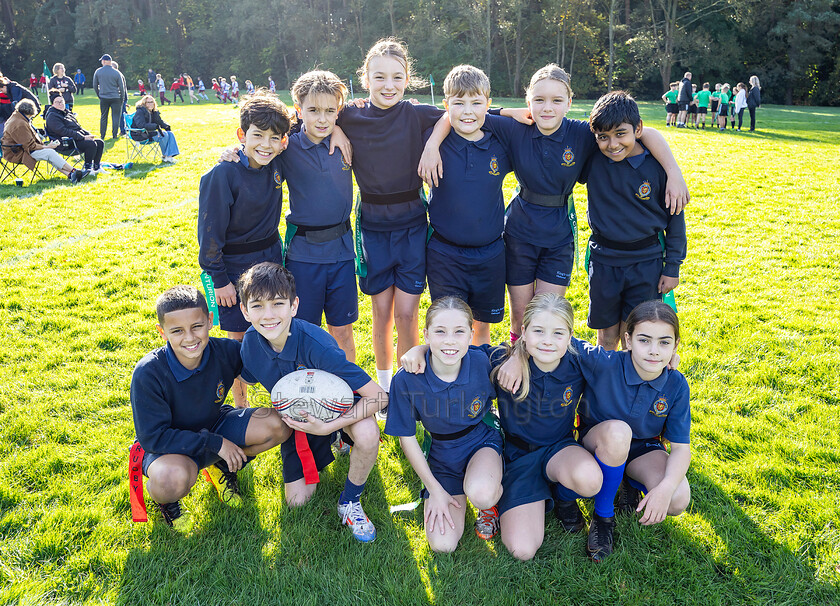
181 422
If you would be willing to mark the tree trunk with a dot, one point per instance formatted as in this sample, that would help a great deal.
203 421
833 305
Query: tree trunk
488 61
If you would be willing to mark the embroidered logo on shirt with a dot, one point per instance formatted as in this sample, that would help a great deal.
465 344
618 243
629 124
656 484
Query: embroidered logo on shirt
220 392
344 165
644 191
494 166
660 407
568 157
300 367
475 407
567 396
278 180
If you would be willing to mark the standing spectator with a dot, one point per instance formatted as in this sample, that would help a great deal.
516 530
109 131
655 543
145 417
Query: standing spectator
79 80
62 125
124 106
152 79
109 86
753 100
33 84
10 93
740 103
42 82
176 90
684 99
62 83
271 86
161 87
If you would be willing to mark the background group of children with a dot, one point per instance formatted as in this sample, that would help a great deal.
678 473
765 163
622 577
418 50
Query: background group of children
686 106
630 402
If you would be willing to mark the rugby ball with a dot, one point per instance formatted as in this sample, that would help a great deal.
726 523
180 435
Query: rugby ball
317 392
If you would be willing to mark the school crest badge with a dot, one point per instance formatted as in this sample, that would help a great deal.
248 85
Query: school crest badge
568 157
567 395
300 367
220 392
494 166
278 180
475 407
660 407
644 191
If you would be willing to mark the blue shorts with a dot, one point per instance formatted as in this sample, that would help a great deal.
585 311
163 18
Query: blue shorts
326 289
231 318
448 459
639 447
395 258
478 281
525 479
615 291
525 263
671 108
231 424
321 452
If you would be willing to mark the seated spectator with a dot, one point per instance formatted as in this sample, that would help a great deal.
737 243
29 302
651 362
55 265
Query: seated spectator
61 124
147 117
22 145
60 81
10 93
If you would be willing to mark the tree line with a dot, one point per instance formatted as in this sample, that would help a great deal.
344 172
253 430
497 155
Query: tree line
638 45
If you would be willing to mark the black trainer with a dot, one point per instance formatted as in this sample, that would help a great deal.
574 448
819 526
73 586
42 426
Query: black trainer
627 498
173 515
569 515
599 545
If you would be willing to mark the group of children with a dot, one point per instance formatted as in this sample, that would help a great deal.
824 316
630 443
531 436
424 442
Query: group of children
272 295
686 106
185 82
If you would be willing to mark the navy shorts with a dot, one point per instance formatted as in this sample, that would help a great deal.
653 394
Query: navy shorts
683 107
671 108
525 263
231 424
640 447
448 459
615 291
525 479
321 452
693 109
703 110
723 109
479 281
395 258
231 318
326 289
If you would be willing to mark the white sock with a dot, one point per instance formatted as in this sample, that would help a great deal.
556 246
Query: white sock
383 377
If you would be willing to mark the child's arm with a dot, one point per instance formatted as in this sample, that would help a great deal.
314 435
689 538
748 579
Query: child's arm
414 360
214 201
339 140
675 251
439 502
658 499
372 401
430 168
520 114
676 190
509 376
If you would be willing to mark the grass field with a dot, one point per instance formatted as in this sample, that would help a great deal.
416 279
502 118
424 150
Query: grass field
80 270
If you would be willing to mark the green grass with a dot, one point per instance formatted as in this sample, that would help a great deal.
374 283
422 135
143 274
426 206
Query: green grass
80 269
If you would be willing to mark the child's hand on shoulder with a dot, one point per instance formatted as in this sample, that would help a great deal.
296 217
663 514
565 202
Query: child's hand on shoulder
437 511
231 154
509 376
360 103
520 114
414 360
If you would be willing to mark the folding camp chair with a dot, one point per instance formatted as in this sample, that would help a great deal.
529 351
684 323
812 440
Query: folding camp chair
137 151
10 169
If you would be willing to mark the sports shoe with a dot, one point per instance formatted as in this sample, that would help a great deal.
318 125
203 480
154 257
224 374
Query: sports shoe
599 544
569 515
226 484
173 515
353 515
382 415
341 447
77 175
487 523
627 498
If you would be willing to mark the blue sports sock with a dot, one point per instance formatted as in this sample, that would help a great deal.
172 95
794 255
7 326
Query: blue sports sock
637 485
562 493
351 493
606 496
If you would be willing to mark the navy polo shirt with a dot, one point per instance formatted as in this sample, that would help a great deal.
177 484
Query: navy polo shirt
442 407
627 204
320 194
544 164
467 206
547 413
387 145
308 346
174 408
614 390
236 204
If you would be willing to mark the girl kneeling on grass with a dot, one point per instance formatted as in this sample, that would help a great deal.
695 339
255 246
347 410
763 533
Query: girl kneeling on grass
451 398
632 406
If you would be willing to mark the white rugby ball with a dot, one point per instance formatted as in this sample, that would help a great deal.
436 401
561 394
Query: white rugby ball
317 392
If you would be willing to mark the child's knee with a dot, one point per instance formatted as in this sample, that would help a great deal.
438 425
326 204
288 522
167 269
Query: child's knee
615 437
522 548
483 495
680 500
587 479
446 543
298 496
365 435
